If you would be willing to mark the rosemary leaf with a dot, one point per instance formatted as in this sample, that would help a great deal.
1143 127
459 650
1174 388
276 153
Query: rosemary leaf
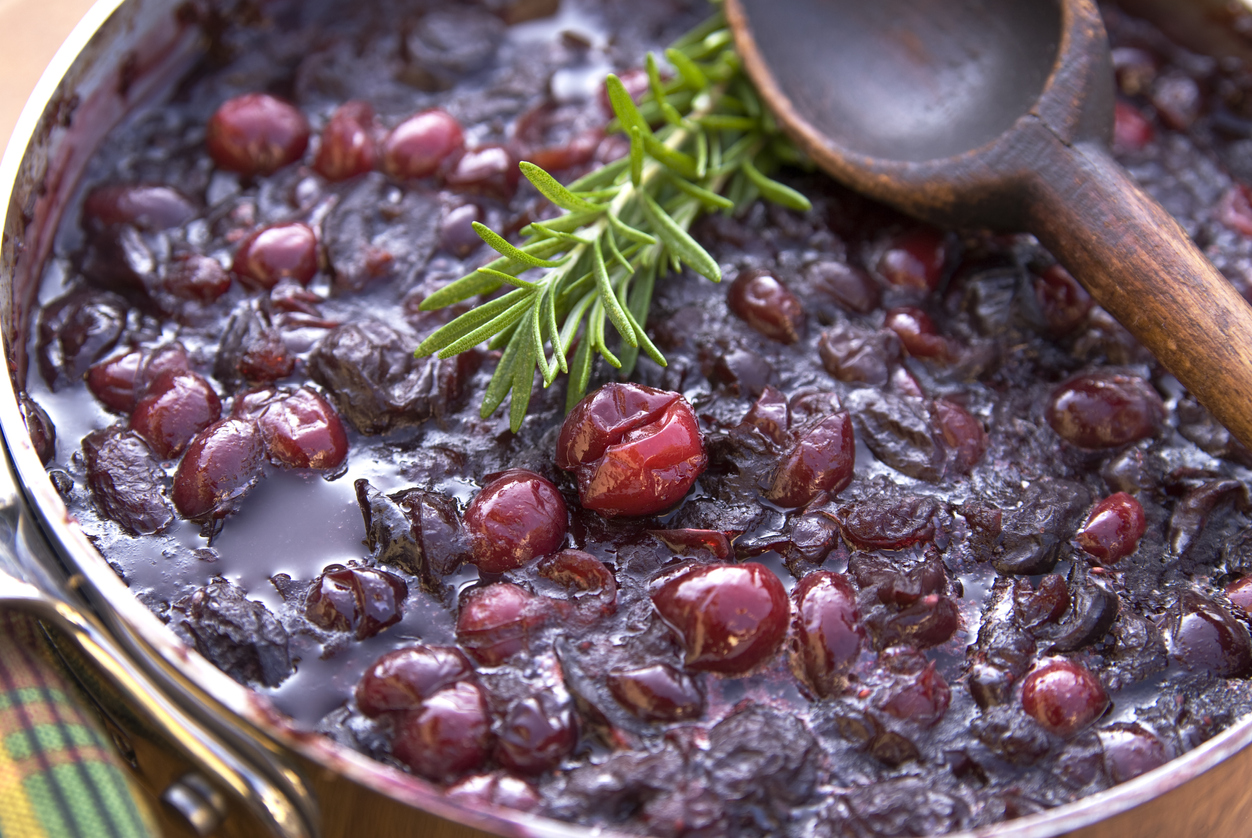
497 243
551 189
679 241
772 190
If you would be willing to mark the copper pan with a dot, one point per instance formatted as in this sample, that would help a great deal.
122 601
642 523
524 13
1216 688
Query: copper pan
224 758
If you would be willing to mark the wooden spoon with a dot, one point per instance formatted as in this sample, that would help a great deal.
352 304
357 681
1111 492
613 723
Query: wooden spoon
996 113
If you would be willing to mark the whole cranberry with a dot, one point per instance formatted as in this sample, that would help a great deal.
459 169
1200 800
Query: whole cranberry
847 285
362 600
827 633
923 698
760 299
192 276
278 252
1132 131
1130 750
177 406
1113 529
1105 410
485 170
497 621
1063 696
448 735
113 381
516 517
403 678
537 733
1062 300
347 148
962 433
456 231
256 134
729 618
303 431
917 332
635 450
820 461
1203 636
915 259
416 147
220 466
657 693
144 206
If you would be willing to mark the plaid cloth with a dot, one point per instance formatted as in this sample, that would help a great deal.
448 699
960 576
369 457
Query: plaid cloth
59 773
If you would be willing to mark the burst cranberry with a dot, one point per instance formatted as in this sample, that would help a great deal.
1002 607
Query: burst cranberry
448 735
178 406
634 449
761 300
820 461
922 699
962 433
1063 696
146 207
848 286
657 693
768 415
486 170
1113 529
516 517
416 147
1044 604
917 332
685 541
303 431
1105 410
1130 750
402 679
826 631
282 251
1203 636
192 276
222 463
1240 593
256 134
1062 300
347 148
537 733
499 620
584 574
915 260
361 600
729 618
1132 131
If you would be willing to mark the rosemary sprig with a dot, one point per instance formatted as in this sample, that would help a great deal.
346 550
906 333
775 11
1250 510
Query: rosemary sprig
622 226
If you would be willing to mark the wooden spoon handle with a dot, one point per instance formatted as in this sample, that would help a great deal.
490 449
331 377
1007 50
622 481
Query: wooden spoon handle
1142 267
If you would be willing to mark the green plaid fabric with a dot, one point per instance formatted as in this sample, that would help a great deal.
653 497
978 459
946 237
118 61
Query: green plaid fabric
59 774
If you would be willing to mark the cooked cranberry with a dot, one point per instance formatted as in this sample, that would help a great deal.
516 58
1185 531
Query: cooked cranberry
537 733
729 618
1235 209
760 299
1178 100
361 600
456 232
485 170
917 332
222 463
255 134
768 414
580 149
1063 696
915 260
820 461
809 407
1105 410
715 542
416 147
192 276
1203 636
43 434
889 523
403 678
178 406
742 372
347 148
516 517
75 331
826 631
1062 300
499 620
113 381
657 693
855 354
1240 593
126 481
584 574
634 449
1130 750
281 251
494 790
303 431
1132 131
962 433
1113 529
448 735
1044 604
143 206
850 287
929 621
922 699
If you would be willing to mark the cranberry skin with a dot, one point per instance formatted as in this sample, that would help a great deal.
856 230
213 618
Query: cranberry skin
923 699
1203 636
729 618
113 381
657 693
1102 410
1240 593
43 434
402 679
1113 529
826 631
495 790
1130 750
361 600
1132 131
821 461
178 406
222 463
962 432
537 733
303 431
347 148
584 575
485 170
1063 696
144 206
635 450
1062 300
761 300
498 621
516 517
192 276
917 332
256 134
278 252
448 735
915 260
416 147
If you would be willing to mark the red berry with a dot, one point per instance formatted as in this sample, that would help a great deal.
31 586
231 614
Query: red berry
278 252
657 693
498 621
962 433
820 461
361 600
516 517
537 733
1203 636
403 678
848 286
762 301
1113 529
416 147
826 631
1062 300
1132 131
915 260
729 618
1130 750
113 381
917 332
1063 696
448 735
494 790
585 575
1240 593
143 206
768 414
303 431
634 449
256 134
347 148
221 465
1105 410
485 170
687 541
178 405
922 699
196 277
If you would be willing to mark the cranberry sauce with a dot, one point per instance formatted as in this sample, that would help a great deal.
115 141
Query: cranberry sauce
908 537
